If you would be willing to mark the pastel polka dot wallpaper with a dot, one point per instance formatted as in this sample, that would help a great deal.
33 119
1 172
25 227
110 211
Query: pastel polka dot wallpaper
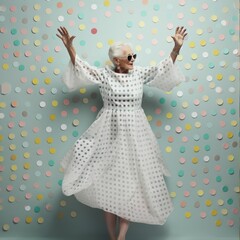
196 124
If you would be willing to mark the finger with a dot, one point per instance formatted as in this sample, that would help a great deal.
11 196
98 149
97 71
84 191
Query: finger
59 36
177 29
60 31
65 31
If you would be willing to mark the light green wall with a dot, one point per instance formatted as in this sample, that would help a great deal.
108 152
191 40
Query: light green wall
196 124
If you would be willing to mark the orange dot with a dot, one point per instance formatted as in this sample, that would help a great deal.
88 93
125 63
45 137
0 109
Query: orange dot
59 4
170 139
158 123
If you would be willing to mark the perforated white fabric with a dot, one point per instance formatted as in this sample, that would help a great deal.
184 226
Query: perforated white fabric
116 165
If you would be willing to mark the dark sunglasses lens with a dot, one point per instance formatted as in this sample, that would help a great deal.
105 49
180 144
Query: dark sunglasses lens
131 56
135 56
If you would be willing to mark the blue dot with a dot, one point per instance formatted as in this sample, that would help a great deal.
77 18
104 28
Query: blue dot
82 43
80 15
156 7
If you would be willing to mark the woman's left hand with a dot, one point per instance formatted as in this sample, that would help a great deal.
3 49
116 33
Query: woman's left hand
180 34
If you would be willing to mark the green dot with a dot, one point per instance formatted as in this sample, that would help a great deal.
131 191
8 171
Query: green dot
225 51
231 32
60 182
230 201
206 136
143 13
75 133
51 163
225 189
162 100
218 178
182 149
156 7
233 111
16 43
82 43
207 148
129 24
211 65
174 103
21 67
80 15
13 31
37 209
231 171
181 173
97 64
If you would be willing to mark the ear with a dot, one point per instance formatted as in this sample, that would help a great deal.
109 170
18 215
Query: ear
115 61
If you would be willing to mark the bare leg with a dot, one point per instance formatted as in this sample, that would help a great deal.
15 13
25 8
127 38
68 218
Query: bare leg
123 228
111 221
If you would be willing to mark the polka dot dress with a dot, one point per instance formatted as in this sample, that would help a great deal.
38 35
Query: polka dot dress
116 165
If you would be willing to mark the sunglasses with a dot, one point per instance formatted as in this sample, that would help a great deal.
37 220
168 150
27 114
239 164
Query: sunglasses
129 57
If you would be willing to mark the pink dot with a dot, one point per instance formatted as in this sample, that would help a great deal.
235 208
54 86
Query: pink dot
205 6
222 123
235 211
28 195
66 102
38 58
13 19
178 129
49 23
218 168
16 220
158 110
193 184
21 124
25 176
180 15
23 79
206 181
1 168
182 160
57 48
94 20
196 102
230 222
64 113
118 8
182 2
5 56
23 31
81 3
49 207
75 111
35 129
190 23
213 192
28 53
203 214
48 173
170 26
225 145
2 29
45 48
183 204
154 42
42 91
71 23
139 36
6 45
108 14
219 136
223 111
186 194
9 188
12 8
36 185
182 116
221 37
39 152
12 114
11 125
204 113
185 139
93 30
212 40
93 108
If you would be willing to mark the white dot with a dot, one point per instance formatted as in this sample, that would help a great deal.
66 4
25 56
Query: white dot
42 104
48 129
61 18
232 90
179 93
63 127
94 6
27 208
218 89
167 128
209 78
205 54
39 163
194 114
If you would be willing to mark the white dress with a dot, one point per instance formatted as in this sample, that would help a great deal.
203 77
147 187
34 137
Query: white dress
116 165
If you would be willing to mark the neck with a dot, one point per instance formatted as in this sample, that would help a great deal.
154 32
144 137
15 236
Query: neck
119 70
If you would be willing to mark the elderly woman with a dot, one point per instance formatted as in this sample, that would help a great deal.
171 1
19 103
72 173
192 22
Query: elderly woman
116 164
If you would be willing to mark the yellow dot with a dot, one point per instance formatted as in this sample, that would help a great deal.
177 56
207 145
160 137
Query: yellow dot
110 41
187 66
43 69
13 157
39 197
230 100
149 118
188 214
168 149
197 124
26 165
1 137
1 158
192 44
14 167
219 77
5 66
230 134
141 24
13 177
155 19
232 78
37 6
12 147
173 194
54 103
106 3
194 56
11 199
2 104
196 148
28 220
154 31
26 155
40 220
199 31
56 71
49 140
11 136
153 63
47 80
200 193
138 48
52 117
203 42
237 189
214 18
214 212
73 214
82 27
37 43
128 35
219 101
32 68
215 52
185 104
82 90
36 18
37 140
169 115
35 30
234 123
5 227
25 41
212 85
230 157
50 59
99 45
188 126
218 223
208 202
52 150
35 81
195 160
64 138
193 10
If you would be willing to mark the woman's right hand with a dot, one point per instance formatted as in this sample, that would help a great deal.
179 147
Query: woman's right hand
65 37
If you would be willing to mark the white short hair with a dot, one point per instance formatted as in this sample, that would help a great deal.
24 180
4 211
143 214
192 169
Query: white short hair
116 50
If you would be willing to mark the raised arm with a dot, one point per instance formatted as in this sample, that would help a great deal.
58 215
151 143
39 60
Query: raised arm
68 42
180 34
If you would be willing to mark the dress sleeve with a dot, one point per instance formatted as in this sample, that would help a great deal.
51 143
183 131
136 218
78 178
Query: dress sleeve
80 74
165 76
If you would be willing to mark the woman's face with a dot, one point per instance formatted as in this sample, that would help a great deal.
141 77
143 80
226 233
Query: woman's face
125 62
